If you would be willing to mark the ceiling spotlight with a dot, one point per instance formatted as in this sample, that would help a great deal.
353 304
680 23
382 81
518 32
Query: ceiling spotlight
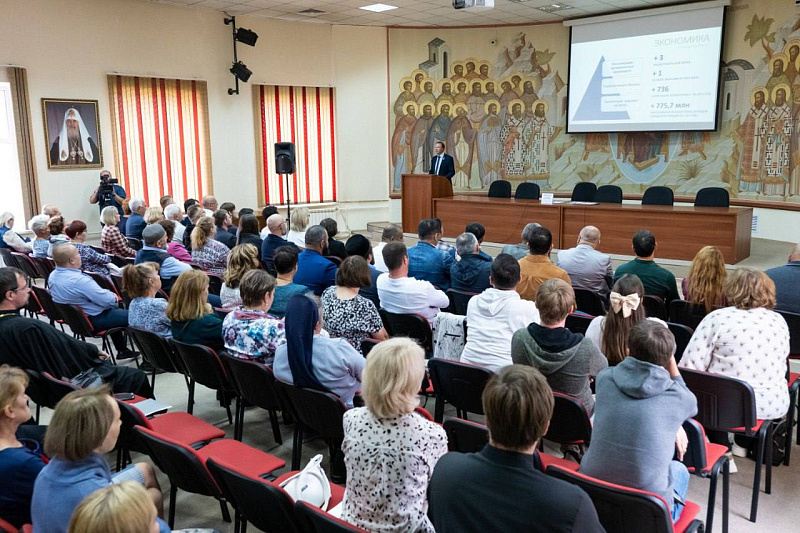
245 36
241 71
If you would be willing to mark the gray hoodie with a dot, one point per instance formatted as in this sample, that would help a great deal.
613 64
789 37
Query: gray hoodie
639 410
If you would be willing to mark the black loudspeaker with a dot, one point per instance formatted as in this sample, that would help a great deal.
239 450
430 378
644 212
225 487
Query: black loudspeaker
284 158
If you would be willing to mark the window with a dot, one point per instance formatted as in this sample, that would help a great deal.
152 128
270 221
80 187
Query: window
9 161
304 116
161 137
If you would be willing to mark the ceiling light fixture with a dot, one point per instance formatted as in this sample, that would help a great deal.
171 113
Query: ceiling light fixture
552 8
378 8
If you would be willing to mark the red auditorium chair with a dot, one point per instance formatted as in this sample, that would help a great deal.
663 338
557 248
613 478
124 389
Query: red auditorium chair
570 424
205 367
255 384
458 384
315 520
705 459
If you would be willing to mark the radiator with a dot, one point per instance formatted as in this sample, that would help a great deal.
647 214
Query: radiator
320 213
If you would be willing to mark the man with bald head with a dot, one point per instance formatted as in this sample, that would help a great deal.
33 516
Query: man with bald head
276 228
69 285
210 204
587 268
787 279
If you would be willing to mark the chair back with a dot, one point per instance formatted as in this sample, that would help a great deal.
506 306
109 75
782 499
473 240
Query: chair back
723 402
320 411
254 382
570 423
621 509
459 300
203 365
8 259
527 191
56 388
589 302
132 417
584 191
459 384
44 265
135 243
214 283
658 196
47 303
500 189
34 306
367 345
686 313
334 259
413 326
793 321
695 456
315 520
105 283
38 389
464 436
76 319
608 194
155 349
683 334
578 323
654 307
712 197
265 505
26 264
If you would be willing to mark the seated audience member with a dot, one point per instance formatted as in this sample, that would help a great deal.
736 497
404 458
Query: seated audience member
389 450
587 268
120 507
518 251
84 427
747 341
112 241
174 215
313 270
51 211
136 222
194 214
641 405
56 226
165 200
335 248
471 272
360 246
536 267
241 260
285 261
568 360
657 280
230 207
154 250
249 331
348 314
787 280
391 233
402 294
68 285
494 315
298 223
276 226
91 260
210 205
314 361
186 205
498 488
175 248
19 465
193 319
209 254
267 212
705 284
122 223
10 238
40 246
224 221
248 232
141 282
477 229
425 261
36 345
441 245
153 215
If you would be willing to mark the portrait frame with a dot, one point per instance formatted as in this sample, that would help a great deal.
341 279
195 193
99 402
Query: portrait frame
53 114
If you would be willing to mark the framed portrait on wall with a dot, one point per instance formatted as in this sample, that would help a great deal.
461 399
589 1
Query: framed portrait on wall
72 133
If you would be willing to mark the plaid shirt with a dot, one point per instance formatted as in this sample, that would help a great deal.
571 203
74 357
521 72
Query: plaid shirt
114 242
443 246
91 261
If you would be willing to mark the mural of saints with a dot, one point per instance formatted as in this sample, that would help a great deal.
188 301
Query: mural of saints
402 157
776 157
539 144
794 160
515 135
419 77
445 93
427 96
461 144
406 84
461 95
753 133
422 153
490 147
440 127
507 95
528 96
779 77
476 103
458 72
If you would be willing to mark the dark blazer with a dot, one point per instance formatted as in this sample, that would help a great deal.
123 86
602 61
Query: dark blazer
446 169
225 237
336 248
135 225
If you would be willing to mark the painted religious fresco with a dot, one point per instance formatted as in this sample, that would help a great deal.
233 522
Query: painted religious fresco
497 98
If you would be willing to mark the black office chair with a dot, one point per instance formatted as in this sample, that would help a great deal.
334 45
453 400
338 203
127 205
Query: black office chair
584 192
527 191
683 334
658 196
500 189
608 194
712 197
578 322
589 302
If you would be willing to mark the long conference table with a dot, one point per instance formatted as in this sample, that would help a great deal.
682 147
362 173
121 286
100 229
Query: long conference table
680 231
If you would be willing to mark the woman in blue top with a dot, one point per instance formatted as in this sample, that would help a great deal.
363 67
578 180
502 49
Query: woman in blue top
141 282
193 319
285 261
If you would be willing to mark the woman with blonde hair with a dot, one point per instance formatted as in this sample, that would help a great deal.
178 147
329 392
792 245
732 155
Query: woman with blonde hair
9 238
193 319
210 254
141 282
390 451
747 341
241 260
298 223
118 508
704 286
153 215
112 241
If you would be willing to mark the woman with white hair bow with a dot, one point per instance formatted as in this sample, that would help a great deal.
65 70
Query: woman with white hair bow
9 238
610 332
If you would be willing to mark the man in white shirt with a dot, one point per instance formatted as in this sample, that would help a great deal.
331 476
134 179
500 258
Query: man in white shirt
391 233
494 315
587 268
400 294
174 213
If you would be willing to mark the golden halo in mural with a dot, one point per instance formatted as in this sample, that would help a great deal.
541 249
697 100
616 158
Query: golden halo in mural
443 82
790 44
486 83
432 81
459 83
786 88
761 89
403 82
537 102
458 107
423 105
453 66
500 82
412 106
776 57
514 102
444 103
474 62
473 83
418 72
488 64
495 103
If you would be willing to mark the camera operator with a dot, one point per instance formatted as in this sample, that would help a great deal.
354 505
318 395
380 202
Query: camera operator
108 193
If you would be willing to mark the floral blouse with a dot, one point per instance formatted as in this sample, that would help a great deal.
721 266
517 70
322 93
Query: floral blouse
92 261
213 256
150 314
354 320
251 334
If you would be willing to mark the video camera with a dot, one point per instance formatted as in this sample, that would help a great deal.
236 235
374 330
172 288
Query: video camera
105 192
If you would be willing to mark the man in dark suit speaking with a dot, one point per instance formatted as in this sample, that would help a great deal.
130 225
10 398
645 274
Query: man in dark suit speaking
442 164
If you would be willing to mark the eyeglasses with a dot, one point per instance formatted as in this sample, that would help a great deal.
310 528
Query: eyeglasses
26 286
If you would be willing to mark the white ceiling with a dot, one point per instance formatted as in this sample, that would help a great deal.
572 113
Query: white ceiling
416 12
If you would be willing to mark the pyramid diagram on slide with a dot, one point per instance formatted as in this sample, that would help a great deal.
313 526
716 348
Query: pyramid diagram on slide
590 107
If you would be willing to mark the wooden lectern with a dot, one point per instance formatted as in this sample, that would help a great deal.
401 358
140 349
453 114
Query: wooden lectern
418 193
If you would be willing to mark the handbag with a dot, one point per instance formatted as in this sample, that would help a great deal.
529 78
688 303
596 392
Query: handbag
87 379
310 485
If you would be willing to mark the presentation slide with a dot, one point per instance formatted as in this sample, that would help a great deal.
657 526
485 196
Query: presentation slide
651 81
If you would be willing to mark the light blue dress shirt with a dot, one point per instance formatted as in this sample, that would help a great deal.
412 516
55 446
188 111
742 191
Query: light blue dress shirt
71 286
